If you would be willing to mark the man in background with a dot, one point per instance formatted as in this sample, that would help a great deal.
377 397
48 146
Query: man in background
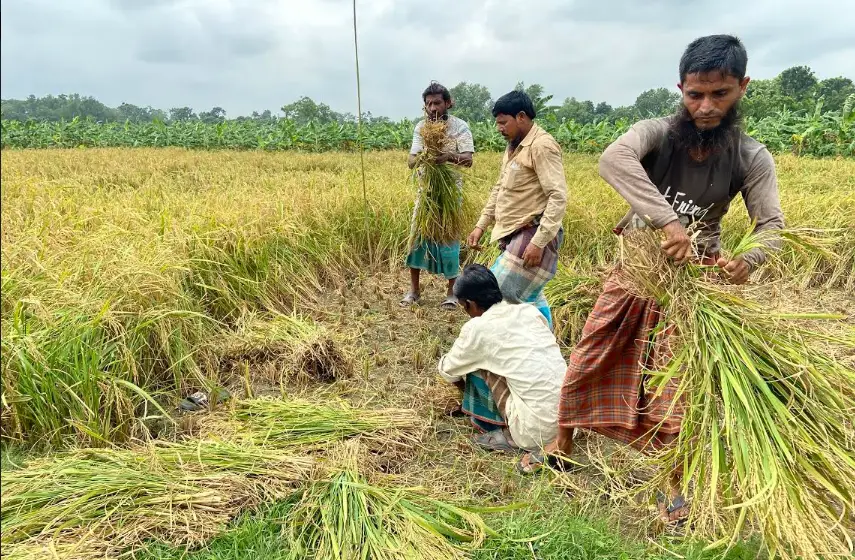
526 206
442 259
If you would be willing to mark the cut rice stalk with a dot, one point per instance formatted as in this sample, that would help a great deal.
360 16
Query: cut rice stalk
345 517
767 438
439 211
286 423
109 500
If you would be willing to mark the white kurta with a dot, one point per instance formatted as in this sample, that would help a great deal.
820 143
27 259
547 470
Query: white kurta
514 341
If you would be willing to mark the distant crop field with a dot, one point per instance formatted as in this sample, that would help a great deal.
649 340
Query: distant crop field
819 134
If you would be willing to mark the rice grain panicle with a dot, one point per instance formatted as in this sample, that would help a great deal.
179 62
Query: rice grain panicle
767 441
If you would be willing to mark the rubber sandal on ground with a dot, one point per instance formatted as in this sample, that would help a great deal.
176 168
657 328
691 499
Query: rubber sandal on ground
450 303
495 440
409 300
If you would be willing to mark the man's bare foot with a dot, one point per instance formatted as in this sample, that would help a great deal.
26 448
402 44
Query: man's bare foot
673 511
534 461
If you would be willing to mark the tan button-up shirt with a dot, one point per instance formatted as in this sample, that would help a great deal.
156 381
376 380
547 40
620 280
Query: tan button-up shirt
531 184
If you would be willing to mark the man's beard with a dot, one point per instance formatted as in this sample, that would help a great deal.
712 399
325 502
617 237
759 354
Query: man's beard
439 116
688 136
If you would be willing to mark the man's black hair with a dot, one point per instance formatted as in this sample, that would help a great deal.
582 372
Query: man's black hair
714 53
436 88
477 284
514 103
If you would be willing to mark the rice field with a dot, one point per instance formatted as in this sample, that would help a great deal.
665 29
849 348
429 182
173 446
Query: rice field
133 277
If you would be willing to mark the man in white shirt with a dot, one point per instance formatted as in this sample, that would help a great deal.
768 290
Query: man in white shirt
508 364
433 256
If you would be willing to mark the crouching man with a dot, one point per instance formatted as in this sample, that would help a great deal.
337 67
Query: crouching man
508 365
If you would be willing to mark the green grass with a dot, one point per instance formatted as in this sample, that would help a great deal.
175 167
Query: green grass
567 535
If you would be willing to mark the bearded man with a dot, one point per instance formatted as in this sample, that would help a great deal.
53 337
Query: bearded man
674 171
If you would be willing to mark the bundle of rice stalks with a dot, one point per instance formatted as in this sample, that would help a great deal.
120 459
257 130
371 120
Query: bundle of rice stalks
100 501
345 517
276 345
287 423
438 214
767 441
572 297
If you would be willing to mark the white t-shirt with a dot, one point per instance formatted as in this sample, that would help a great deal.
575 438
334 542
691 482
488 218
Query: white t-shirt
457 131
514 341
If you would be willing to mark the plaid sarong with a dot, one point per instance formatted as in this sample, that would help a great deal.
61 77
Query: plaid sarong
484 398
604 389
522 284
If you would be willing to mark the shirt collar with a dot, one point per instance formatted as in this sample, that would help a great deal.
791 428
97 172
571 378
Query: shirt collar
529 138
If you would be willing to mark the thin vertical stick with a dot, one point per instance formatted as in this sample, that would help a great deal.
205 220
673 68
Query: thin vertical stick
360 142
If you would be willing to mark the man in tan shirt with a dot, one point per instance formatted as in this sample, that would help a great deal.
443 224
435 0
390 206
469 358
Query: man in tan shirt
526 206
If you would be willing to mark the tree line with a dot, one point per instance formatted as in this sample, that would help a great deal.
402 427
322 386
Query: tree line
796 89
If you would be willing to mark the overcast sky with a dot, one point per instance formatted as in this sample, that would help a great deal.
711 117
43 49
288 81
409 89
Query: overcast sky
260 54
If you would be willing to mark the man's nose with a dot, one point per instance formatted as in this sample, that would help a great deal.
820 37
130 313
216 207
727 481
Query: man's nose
707 106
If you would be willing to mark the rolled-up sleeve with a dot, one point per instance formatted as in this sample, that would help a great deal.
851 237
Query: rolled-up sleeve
417 145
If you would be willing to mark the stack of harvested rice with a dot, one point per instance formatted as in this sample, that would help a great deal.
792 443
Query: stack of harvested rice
343 516
274 344
105 501
97 502
439 207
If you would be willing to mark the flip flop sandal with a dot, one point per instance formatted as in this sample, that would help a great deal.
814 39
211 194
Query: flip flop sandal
199 400
196 401
450 303
455 411
495 440
409 300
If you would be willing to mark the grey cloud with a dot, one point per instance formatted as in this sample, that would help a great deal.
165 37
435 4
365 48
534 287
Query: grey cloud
141 5
632 12
250 55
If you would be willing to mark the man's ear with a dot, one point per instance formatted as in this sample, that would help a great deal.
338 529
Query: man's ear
743 84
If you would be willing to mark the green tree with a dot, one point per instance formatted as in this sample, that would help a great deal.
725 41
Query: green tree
764 97
834 91
624 112
582 112
133 113
472 102
182 114
539 99
215 115
656 103
603 110
798 82
305 110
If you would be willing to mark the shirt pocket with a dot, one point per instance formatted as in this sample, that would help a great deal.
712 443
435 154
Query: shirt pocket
520 173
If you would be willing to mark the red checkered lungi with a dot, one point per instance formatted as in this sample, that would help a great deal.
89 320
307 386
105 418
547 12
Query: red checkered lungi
604 387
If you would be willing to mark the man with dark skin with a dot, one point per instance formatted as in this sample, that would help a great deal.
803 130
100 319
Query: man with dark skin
526 206
443 259
674 172
507 365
